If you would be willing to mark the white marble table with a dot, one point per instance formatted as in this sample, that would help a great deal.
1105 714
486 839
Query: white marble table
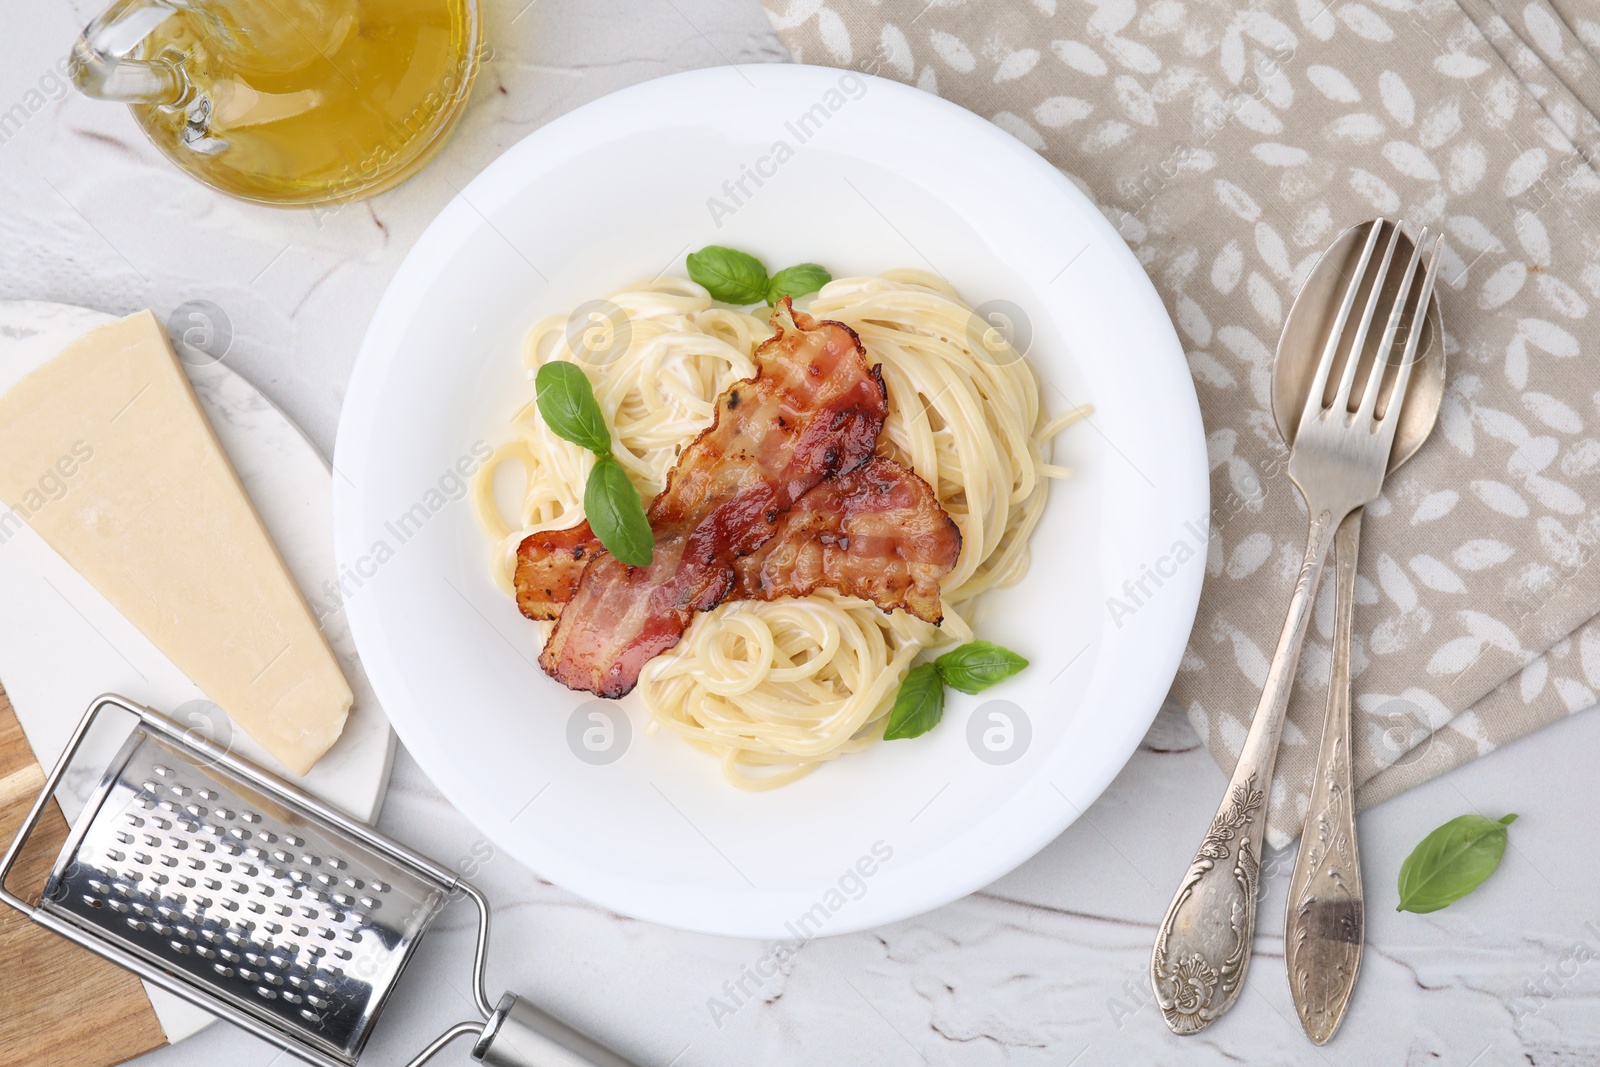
1046 966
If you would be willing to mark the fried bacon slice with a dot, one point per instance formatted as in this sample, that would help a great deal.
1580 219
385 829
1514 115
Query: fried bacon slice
877 533
549 564
813 411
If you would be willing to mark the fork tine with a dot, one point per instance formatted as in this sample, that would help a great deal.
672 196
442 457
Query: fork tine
1319 383
1369 397
1358 344
1391 417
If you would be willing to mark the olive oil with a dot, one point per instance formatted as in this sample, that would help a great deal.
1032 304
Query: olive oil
311 101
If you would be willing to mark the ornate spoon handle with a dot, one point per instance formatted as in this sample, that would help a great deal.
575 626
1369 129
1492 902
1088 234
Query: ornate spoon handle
1203 945
1326 919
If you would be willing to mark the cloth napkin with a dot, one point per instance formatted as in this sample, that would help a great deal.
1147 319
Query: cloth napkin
1230 144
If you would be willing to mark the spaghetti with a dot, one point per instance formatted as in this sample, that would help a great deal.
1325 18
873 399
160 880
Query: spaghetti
773 689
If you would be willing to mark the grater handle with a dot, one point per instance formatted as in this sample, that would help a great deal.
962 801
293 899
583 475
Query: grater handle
519 1034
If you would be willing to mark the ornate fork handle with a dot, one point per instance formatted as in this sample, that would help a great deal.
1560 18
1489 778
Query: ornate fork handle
1203 946
1325 923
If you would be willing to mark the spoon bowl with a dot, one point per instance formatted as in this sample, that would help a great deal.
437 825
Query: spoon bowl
1311 319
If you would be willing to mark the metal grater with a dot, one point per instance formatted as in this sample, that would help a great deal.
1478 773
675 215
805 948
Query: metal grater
218 881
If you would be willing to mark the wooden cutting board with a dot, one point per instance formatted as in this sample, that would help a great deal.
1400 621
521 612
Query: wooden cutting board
63 1006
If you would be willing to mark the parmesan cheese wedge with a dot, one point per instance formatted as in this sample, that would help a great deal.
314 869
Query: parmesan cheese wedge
105 452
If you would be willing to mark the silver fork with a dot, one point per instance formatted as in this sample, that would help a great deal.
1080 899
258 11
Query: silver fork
1337 461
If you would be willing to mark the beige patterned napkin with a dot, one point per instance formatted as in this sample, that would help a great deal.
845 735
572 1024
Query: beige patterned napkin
1230 145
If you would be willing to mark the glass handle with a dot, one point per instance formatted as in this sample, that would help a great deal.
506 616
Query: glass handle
100 67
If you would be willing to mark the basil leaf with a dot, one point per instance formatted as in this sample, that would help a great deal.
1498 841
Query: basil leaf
615 513
566 400
977 665
729 276
797 281
1451 862
918 706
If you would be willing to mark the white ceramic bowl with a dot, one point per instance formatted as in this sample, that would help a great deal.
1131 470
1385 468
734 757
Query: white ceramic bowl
876 175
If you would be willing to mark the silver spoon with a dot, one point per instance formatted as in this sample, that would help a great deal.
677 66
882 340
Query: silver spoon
1340 455
1325 924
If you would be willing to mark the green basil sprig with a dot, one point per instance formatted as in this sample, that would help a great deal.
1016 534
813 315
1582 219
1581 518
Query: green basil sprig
1451 862
730 276
566 400
977 665
971 668
918 706
800 280
615 512
739 278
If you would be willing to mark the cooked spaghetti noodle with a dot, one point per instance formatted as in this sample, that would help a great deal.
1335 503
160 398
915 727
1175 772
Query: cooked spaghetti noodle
775 688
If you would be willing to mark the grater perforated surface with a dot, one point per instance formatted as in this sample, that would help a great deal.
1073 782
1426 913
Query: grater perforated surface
242 898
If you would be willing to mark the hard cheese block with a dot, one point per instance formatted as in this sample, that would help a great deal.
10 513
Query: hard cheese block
106 454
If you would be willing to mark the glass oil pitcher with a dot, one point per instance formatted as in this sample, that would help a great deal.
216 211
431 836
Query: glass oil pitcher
287 101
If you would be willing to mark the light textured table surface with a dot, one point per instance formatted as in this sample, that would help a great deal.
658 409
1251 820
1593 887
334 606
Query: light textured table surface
1048 965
